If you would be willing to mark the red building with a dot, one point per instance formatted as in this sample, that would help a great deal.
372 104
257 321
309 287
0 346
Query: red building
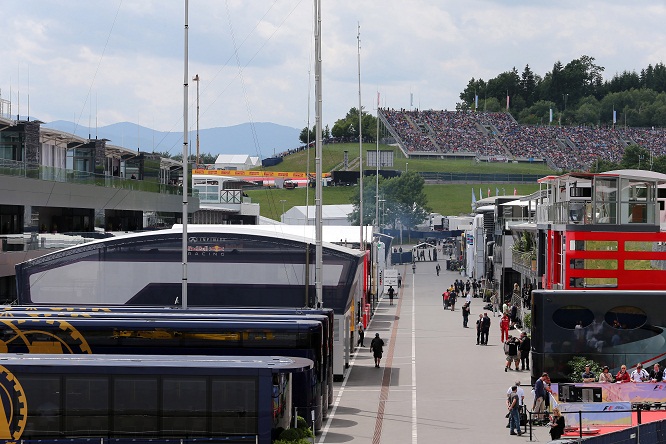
597 231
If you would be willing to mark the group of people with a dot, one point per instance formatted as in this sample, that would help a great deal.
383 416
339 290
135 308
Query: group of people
515 402
517 351
376 345
657 374
458 131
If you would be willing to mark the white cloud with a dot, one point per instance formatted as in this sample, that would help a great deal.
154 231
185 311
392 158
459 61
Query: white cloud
125 58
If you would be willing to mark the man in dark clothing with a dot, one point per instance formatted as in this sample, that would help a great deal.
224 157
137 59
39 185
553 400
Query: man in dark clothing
479 323
391 292
437 269
513 314
656 374
525 347
540 394
465 313
485 329
511 351
377 348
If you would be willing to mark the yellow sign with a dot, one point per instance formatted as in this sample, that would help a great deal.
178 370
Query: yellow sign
255 174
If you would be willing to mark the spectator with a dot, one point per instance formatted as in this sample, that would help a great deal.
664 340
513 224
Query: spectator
605 375
588 375
639 375
622 375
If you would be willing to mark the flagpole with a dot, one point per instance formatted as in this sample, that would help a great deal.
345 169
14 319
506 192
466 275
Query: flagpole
186 78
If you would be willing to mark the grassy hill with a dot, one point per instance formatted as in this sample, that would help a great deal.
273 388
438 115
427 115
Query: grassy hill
447 199
333 154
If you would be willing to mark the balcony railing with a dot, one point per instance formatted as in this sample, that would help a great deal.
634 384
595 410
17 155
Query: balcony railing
36 171
43 241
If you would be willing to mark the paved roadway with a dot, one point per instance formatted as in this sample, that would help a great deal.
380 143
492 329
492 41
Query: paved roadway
435 385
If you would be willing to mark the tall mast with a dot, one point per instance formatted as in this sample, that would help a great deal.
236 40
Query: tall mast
361 245
318 173
185 149
377 172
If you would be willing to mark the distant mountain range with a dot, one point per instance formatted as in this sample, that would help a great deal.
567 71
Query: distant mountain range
270 138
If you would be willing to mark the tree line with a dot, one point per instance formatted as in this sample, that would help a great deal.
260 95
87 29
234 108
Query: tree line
576 93
345 129
403 201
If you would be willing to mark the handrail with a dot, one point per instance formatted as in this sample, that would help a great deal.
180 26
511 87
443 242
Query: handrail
51 174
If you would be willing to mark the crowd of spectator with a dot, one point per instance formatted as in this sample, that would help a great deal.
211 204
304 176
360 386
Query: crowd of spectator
498 135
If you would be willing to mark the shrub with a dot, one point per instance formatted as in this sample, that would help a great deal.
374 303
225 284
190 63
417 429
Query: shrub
528 321
577 367
290 435
296 435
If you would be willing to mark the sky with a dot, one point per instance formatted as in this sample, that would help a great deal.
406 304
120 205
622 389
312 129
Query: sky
101 62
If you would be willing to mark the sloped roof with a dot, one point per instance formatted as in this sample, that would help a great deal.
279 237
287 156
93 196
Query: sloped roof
233 158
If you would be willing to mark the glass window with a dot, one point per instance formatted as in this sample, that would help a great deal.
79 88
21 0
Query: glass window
639 264
86 406
43 395
601 245
643 246
625 317
135 406
234 405
577 282
570 315
593 264
605 197
184 406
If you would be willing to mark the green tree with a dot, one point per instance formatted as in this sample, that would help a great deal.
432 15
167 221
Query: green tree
588 111
537 113
306 135
528 85
348 128
635 157
404 200
369 200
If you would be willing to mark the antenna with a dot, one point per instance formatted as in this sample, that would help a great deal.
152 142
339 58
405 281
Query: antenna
625 118
18 92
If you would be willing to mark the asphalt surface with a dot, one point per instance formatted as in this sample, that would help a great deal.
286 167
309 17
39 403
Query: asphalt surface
434 385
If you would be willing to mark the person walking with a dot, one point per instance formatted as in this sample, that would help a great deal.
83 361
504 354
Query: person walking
452 300
437 269
361 334
485 329
525 348
399 280
413 267
513 404
465 314
494 300
391 292
504 328
377 348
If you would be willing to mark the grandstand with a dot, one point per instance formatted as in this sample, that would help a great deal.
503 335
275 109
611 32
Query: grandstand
489 136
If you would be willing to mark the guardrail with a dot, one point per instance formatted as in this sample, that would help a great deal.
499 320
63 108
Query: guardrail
480 177
40 172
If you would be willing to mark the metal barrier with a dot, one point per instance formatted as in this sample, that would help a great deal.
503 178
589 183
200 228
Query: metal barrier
538 419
